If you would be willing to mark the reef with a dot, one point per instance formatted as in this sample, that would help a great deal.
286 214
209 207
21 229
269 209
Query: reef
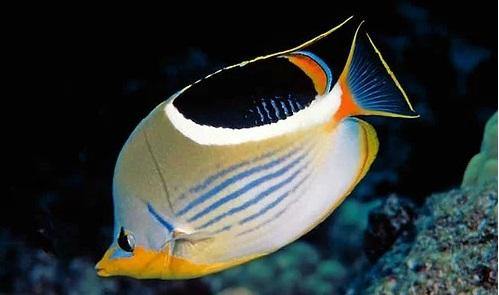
454 249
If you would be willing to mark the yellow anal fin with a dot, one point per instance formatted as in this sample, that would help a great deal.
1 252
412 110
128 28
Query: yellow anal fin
369 148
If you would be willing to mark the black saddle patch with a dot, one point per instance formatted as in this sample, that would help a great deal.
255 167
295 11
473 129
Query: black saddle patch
256 94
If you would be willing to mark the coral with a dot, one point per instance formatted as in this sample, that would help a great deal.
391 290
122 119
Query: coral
482 168
454 251
451 247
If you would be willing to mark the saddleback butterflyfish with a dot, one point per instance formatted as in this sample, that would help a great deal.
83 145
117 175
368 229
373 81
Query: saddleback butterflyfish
213 178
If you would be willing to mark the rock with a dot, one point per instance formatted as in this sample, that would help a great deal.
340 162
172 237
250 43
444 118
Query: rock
482 168
389 221
454 249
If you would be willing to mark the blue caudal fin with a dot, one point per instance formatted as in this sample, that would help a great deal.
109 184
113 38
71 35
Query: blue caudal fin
368 85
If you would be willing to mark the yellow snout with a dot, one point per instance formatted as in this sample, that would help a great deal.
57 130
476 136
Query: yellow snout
153 264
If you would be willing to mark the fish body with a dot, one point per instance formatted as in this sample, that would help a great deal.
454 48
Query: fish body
209 180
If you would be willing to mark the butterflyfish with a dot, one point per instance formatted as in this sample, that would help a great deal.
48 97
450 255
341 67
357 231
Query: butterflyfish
213 178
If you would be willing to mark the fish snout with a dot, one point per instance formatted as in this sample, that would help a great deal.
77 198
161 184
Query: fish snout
100 269
104 267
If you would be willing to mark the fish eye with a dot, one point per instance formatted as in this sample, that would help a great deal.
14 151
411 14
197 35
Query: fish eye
126 241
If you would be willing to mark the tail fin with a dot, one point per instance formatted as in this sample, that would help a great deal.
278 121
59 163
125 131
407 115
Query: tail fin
368 85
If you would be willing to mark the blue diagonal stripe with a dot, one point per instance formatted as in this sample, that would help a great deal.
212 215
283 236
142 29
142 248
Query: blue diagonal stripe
253 184
246 173
210 179
274 203
263 223
269 220
253 201
158 217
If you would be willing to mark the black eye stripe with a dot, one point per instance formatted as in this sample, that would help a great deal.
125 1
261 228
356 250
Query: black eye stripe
124 241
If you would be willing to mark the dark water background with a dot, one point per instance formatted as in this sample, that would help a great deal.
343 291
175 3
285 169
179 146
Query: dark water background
89 77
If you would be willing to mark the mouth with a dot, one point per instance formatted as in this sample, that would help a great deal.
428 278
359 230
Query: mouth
101 272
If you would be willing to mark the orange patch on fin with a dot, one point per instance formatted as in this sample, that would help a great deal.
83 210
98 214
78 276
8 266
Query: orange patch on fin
312 69
348 106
